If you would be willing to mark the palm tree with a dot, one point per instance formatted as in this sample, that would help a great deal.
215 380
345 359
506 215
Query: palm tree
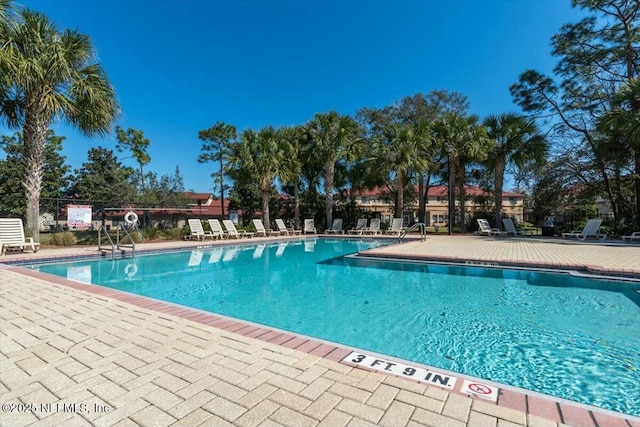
624 120
334 137
292 165
517 142
5 15
400 149
465 141
260 155
48 75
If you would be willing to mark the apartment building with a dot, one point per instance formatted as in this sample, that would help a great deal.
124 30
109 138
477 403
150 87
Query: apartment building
381 205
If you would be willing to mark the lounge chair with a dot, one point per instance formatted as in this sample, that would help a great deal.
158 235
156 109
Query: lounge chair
396 227
12 236
282 228
232 231
633 236
374 227
336 227
216 229
589 230
486 230
197 231
510 228
361 225
262 231
309 226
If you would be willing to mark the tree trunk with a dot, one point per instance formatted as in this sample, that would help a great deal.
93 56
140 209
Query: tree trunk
400 195
421 199
221 183
462 194
35 135
498 183
296 205
451 201
329 171
637 188
265 207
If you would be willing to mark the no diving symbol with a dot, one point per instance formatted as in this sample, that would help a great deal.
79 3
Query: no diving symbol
479 388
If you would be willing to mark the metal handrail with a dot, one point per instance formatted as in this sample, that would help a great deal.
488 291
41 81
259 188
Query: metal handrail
418 225
106 232
132 245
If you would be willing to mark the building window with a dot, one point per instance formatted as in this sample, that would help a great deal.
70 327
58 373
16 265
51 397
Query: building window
438 219
365 200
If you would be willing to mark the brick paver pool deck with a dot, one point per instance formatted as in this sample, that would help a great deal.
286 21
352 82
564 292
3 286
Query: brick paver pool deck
73 354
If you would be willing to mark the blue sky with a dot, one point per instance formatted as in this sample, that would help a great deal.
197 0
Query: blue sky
180 66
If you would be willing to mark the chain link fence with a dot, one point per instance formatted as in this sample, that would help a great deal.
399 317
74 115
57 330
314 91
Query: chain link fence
54 214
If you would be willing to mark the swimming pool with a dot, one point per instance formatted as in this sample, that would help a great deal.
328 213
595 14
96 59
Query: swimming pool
570 337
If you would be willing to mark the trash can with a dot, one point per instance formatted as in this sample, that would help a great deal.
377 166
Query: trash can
548 228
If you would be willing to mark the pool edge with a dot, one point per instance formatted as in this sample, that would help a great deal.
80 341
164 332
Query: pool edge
529 402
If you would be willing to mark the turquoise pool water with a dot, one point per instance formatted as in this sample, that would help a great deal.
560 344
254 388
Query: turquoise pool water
569 337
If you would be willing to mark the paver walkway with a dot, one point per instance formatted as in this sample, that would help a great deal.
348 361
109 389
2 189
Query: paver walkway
594 256
70 357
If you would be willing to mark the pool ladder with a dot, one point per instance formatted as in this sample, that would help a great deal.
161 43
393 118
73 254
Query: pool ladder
417 226
117 246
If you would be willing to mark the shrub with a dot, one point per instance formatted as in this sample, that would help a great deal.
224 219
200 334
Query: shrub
64 238
135 236
175 233
151 233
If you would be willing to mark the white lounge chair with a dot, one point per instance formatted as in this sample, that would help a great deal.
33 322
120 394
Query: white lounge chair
336 227
486 230
510 228
374 227
396 227
12 236
309 226
589 230
262 231
232 231
633 236
283 229
361 225
197 231
216 229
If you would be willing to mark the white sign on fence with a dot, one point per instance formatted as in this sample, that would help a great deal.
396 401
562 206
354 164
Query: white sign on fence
78 216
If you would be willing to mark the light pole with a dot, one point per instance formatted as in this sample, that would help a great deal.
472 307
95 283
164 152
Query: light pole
450 194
